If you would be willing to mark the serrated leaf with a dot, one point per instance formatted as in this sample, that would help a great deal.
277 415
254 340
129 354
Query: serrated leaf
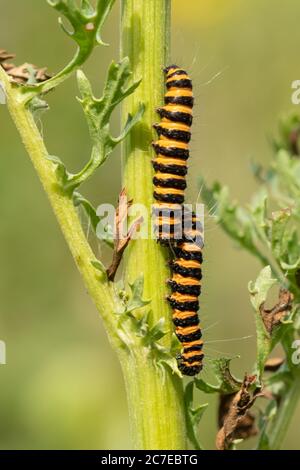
197 413
98 113
136 299
259 291
193 416
278 232
130 123
104 233
226 382
236 221
86 26
143 322
90 211
157 331
258 209
206 387
260 288
165 358
86 21
271 324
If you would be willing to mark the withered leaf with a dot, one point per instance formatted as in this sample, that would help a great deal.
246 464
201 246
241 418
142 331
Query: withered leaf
274 316
22 74
235 419
122 235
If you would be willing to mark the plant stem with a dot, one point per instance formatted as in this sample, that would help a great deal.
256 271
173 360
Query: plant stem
156 407
63 207
155 411
284 415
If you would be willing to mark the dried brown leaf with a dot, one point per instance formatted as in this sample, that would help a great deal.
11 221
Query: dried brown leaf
22 73
122 235
274 316
235 419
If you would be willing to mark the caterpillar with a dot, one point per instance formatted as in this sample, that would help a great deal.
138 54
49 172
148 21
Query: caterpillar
174 225
185 284
172 153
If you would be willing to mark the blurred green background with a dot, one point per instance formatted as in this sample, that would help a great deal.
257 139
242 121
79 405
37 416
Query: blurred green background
62 385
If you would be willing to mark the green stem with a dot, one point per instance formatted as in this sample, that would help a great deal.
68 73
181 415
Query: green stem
156 407
63 207
284 415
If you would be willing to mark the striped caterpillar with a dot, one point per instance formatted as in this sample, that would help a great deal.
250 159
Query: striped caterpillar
174 225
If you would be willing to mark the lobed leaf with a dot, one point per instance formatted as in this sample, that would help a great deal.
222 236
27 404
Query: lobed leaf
226 382
86 20
104 233
193 415
98 113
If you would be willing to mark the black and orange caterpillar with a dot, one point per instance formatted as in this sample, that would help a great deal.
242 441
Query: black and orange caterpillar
173 224
186 288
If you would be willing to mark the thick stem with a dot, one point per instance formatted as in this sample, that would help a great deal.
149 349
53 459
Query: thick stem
156 407
285 414
63 207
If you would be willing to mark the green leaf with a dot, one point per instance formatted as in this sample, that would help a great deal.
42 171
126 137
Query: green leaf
156 332
165 358
131 122
193 416
258 295
61 171
278 235
265 421
79 200
288 171
86 21
104 233
38 106
260 288
239 223
226 382
99 267
289 128
258 210
206 387
98 113
136 299
86 25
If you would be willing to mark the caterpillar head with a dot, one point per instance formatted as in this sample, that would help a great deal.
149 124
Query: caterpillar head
170 68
